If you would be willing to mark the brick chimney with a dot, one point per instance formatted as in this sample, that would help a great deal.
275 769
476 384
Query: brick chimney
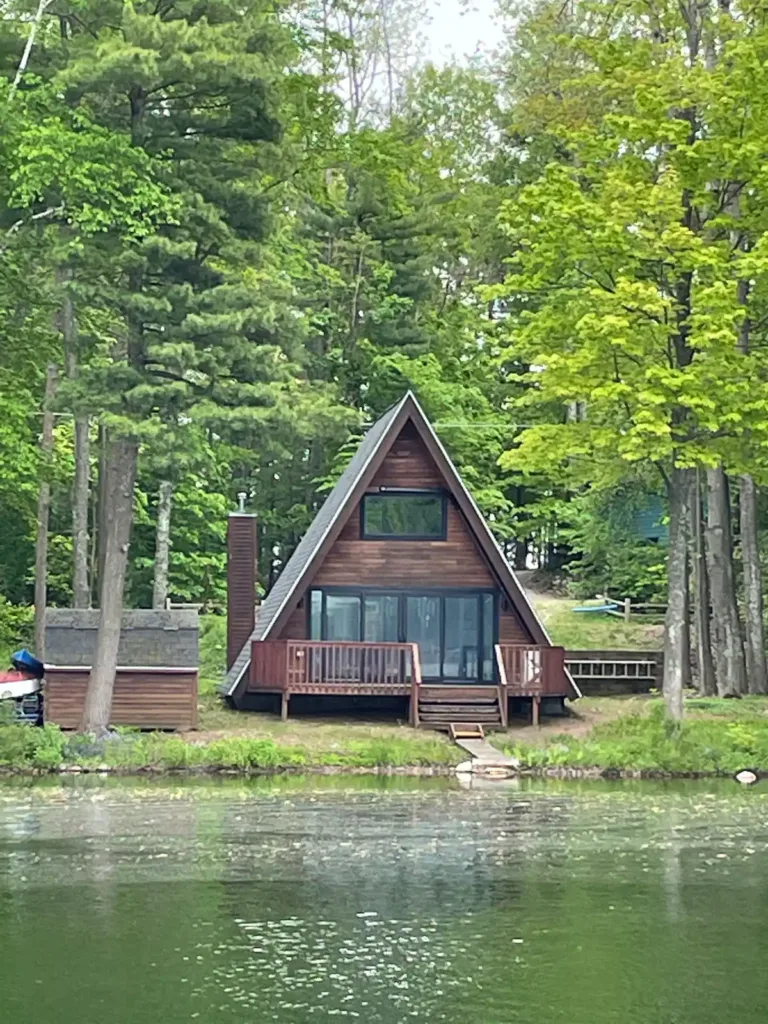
242 555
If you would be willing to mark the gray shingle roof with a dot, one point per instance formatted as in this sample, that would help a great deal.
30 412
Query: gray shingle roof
300 559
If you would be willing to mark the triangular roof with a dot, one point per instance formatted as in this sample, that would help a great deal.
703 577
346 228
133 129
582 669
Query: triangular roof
336 509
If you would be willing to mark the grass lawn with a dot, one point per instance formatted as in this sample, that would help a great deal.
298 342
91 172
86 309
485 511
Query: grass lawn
589 630
633 733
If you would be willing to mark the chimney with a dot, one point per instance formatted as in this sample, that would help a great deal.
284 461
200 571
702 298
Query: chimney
242 552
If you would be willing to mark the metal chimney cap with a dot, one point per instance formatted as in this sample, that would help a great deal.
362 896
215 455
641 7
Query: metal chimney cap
241 498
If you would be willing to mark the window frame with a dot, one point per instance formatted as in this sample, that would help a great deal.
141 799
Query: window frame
406 493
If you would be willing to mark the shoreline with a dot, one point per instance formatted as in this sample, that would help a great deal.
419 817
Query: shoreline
415 771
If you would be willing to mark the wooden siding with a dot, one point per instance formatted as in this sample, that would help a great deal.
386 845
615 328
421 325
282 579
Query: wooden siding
401 564
296 627
145 698
408 464
454 562
511 629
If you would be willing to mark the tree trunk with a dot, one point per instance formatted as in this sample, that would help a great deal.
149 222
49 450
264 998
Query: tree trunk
81 589
687 674
43 513
676 653
757 677
81 594
162 544
122 456
727 647
705 665
94 554
101 512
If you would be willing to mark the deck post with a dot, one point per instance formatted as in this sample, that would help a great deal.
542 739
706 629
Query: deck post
284 698
415 684
535 709
502 688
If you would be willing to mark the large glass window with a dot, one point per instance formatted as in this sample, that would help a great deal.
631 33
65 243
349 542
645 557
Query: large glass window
408 516
316 615
462 637
381 618
422 627
342 617
455 631
489 635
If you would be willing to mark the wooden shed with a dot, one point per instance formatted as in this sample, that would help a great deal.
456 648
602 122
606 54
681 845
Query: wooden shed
156 681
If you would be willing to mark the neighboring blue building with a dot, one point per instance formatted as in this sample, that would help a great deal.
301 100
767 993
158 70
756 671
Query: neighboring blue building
649 522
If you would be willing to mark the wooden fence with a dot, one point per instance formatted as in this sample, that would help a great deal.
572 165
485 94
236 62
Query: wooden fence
610 673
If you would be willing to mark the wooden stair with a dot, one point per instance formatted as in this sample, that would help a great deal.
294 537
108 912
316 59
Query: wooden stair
441 707
466 731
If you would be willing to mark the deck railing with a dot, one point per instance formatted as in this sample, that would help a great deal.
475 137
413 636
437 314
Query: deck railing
529 671
307 665
328 667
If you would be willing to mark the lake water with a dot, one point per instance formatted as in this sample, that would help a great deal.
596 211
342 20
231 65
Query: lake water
382 901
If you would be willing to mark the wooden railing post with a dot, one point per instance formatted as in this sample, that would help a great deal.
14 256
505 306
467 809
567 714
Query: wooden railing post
415 685
503 692
556 681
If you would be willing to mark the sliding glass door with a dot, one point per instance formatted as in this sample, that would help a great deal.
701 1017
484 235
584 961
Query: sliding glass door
462 638
342 617
381 618
455 631
423 626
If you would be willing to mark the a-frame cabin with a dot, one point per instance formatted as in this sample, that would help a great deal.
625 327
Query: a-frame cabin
399 589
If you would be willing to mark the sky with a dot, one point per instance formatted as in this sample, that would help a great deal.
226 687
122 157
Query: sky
459 28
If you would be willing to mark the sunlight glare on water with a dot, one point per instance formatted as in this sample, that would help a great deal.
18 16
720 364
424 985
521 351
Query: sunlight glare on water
382 900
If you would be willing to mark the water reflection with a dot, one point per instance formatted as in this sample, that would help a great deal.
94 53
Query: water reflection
295 901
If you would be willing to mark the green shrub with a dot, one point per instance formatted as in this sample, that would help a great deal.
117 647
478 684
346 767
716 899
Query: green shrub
25 746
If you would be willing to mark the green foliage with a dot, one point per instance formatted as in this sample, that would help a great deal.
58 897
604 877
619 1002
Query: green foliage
548 252
602 533
198 554
384 753
24 746
213 652
16 627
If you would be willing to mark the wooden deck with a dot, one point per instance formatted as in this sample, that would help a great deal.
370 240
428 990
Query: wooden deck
331 668
534 672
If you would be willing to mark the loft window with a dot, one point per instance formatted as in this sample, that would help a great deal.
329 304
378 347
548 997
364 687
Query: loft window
405 515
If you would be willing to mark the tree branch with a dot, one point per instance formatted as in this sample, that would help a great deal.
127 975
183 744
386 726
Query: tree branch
42 7
51 211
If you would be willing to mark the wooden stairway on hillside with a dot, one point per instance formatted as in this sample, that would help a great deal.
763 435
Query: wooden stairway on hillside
442 706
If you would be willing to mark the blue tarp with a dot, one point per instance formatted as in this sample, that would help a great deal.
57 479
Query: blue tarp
23 661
